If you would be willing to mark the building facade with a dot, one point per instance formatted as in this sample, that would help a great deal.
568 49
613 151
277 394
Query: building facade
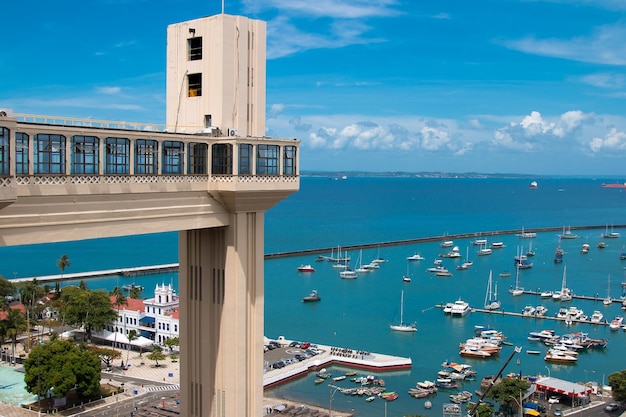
156 319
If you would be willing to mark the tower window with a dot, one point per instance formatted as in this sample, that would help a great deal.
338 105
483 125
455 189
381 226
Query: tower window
194 48
195 85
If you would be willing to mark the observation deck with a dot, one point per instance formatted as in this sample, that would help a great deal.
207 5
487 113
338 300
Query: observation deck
107 178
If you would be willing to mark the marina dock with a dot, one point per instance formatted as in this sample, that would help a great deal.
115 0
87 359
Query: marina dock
368 361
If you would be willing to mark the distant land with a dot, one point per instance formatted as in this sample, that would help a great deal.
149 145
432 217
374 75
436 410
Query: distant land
400 174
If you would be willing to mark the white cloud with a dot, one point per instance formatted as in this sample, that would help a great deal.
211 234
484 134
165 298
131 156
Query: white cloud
285 38
108 90
604 46
433 138
604 80
339 9
613 140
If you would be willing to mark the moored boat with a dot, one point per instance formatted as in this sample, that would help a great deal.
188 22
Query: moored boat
312 297
306 268
460 308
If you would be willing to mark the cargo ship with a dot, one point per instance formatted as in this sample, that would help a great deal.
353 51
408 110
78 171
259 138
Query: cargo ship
614 185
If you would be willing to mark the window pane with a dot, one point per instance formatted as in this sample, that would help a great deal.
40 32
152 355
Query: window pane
197 162
117 156
49 154
85 150
146 156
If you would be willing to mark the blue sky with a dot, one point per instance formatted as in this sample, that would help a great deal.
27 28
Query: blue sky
523 86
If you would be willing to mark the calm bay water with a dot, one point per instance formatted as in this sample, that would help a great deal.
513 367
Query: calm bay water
357 313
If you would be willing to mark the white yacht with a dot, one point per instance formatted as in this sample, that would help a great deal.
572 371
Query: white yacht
596 317
460 308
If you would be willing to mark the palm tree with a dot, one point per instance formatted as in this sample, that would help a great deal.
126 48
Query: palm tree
63 262
120 300
13 324
132 335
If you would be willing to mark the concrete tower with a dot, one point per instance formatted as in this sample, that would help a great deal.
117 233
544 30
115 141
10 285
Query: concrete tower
216 76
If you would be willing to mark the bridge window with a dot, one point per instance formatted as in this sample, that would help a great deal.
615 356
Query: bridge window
289 160
173 153
245 158
194 82
222 159
267 159
49 154
117 156
21 153
194 47
197 162
146 156
4 150
85 151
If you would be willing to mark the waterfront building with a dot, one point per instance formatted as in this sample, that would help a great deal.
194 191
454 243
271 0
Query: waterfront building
155 319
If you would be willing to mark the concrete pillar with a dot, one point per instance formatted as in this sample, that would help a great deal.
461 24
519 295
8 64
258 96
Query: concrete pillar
221 316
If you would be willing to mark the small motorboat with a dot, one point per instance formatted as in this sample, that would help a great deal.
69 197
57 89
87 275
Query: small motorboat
312 297
306 268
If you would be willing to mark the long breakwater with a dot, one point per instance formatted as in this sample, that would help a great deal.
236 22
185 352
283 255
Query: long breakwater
173 267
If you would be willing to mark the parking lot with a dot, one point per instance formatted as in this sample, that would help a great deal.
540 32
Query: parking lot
277 357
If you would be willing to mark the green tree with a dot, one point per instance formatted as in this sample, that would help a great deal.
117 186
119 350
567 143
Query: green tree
91 309
13 324
156 355
171 342
509 391
106 355
120 300
7 288
617 382
63 262
61 365
135 292
132 335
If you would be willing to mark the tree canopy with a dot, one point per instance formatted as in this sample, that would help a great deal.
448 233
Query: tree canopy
617 381
508 390
156 355
61 365
89 308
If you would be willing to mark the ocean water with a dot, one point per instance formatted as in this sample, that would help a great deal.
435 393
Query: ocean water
357 313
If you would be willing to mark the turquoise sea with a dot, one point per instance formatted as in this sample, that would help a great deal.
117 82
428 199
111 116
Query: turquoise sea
357 313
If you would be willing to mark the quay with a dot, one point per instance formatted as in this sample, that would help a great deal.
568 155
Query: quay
125 272
330 355
173 267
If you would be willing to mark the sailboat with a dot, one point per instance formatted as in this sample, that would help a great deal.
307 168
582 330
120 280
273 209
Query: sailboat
360 268
491 297
565 294
517 290
608 300
402 326
407 277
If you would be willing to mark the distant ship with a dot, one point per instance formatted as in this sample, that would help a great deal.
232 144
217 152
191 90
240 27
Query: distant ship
614 185
533 184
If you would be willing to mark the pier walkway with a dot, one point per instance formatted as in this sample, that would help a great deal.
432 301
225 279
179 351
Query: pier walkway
330 355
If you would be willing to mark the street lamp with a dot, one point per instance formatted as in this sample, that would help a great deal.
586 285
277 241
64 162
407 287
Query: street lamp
521 410
548 371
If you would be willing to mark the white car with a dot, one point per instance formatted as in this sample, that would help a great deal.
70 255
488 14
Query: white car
553 400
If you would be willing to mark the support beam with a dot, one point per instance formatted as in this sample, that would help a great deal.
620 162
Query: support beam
222 304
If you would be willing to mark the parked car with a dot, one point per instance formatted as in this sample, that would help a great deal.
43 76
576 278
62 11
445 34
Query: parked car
558 412
553 400
294 344
305 345
611 407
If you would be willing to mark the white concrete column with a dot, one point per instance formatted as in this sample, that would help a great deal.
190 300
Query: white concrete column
221 312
